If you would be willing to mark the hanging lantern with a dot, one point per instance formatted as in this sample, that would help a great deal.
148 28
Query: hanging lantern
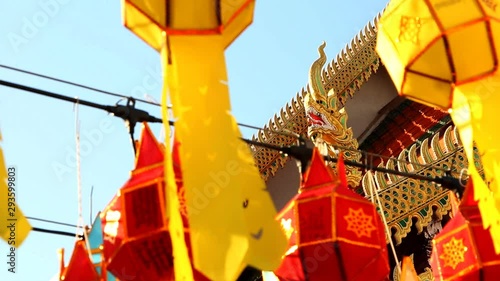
80 267
334 234
148 19
464 249
429 47
137 243
191 36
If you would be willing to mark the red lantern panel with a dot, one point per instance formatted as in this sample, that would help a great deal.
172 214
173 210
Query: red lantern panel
464 250
339 234
144 250
136 239
80 267
113 232
286 217
144 259
315 220
143 210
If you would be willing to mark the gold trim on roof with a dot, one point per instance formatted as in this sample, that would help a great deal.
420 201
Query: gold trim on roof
404 199
345 74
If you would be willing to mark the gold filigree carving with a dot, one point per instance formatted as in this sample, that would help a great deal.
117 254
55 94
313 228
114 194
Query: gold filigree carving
290 119
404 199
327 119
345 74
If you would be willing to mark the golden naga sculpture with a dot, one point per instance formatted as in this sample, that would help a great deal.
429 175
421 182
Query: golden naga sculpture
327 120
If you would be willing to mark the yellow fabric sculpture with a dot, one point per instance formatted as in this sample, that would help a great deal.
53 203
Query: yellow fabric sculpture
475 115
446 53
182 263
15 227
231 215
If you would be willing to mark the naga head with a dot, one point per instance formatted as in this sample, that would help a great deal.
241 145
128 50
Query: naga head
327 118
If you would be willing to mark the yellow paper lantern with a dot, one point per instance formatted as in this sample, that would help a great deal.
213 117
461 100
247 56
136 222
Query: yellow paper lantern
148 19
429 47
230 212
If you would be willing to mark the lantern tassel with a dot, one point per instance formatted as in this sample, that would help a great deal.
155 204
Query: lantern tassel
182 263
374 193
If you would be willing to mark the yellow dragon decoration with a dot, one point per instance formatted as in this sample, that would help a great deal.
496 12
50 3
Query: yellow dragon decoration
327 120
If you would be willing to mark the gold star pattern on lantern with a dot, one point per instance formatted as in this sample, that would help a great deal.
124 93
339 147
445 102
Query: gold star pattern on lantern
359 223
492 4
410 29
453 252
287 227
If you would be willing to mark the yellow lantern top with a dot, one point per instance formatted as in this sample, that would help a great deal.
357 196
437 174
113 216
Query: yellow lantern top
151 20
430 47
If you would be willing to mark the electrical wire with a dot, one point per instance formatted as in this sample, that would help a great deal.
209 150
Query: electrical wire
100 91
118 111
56 232
304 155
53 222
74 84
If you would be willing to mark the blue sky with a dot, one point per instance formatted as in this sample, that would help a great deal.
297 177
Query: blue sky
85 42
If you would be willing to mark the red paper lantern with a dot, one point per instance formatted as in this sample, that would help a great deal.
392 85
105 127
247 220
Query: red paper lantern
80 267
334 234
137 243
464 250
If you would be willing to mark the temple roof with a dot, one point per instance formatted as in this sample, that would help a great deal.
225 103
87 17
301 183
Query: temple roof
345 74
400 126
404 125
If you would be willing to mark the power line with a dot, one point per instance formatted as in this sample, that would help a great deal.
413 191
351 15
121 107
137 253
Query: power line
74 84
99 90
53 222
128 113
157 104
56 232
133 115
304 154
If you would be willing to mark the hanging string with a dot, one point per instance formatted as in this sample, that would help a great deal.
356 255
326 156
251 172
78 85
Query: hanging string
371 187
374 193
51 221
80 223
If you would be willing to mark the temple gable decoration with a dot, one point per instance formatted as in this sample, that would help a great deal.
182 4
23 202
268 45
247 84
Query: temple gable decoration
327 119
